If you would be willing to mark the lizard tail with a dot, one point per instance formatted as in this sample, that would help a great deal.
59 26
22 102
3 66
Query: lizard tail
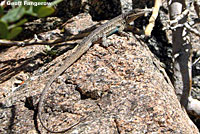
67 63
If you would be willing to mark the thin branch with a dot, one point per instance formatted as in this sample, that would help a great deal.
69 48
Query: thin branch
196 61
187 25
153 17
29 42
59 41
179 17
196 32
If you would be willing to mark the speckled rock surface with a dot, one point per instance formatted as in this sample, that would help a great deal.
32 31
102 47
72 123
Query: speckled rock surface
118 87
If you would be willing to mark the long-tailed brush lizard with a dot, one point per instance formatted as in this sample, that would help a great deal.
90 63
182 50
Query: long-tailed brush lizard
116 24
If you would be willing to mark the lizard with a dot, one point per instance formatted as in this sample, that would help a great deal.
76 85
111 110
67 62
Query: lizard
117 24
